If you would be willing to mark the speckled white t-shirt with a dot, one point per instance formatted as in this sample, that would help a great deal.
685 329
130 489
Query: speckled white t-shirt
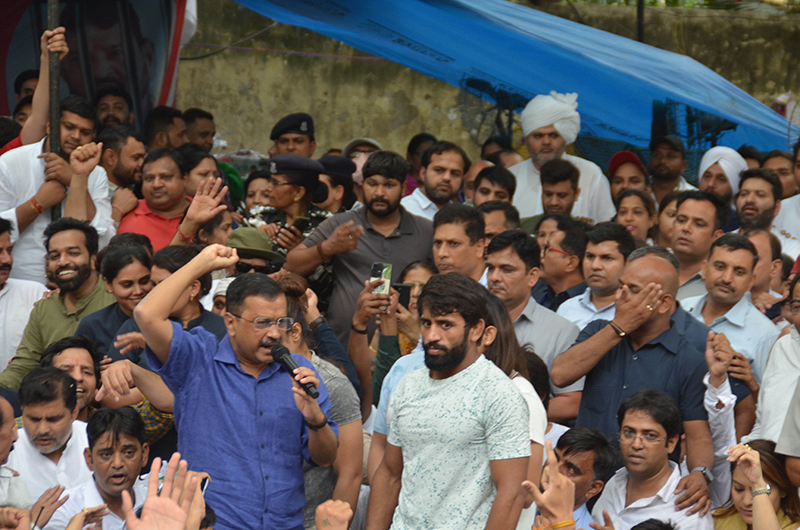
449 431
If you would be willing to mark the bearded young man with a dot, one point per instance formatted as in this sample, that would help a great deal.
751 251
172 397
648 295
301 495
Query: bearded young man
459 438
71 261
382 231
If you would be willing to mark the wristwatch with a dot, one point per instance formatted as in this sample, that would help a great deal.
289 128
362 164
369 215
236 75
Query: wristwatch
706 474
761 491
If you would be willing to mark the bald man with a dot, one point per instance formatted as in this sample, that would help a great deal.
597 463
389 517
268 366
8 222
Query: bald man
639 349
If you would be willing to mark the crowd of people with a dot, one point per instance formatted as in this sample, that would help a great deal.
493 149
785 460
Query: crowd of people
372 340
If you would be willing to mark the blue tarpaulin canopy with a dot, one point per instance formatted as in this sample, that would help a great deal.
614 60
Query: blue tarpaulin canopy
628 91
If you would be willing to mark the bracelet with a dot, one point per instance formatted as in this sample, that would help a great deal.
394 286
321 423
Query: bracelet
563 524
373 350
325 259
317 322
359 331
121 213
188 239
321 425
617 329
36 206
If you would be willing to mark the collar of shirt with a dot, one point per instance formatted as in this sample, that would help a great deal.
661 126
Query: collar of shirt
665 494
573 291
143 209
406 222
98 290
530 310
586 301
736 315
226 355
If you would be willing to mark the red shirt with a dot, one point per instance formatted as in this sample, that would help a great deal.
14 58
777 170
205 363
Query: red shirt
13 144
143 220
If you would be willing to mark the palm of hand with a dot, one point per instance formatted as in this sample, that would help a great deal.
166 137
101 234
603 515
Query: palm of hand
159 513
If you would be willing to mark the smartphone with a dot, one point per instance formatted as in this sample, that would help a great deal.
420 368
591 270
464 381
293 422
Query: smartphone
775 310
404 290
381 271
302 223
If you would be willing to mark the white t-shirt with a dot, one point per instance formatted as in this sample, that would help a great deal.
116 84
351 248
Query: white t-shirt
538 424
21 174
449 431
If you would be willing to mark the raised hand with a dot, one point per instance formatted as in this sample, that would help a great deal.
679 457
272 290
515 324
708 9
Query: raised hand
718 358
46 505
607 523
54 41
749 462
50 193
559 495
170 509
206 205
85 158
333 515
124 200
215 257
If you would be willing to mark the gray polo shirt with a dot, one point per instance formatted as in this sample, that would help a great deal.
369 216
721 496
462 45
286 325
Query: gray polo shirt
411 241
549 334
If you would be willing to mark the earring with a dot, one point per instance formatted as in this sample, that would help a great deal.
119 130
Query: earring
296 199
191 298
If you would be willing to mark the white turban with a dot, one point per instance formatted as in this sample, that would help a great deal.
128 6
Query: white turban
556 110
729 160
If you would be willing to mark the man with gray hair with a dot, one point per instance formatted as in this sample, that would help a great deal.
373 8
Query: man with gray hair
637 349
551 123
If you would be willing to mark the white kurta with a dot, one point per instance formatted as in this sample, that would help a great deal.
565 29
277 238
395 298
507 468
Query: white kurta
594 201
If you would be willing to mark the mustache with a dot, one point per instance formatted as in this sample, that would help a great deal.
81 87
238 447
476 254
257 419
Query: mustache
268 342
5 267
428 345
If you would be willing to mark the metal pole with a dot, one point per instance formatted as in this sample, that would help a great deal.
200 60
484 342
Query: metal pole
640 21
55 100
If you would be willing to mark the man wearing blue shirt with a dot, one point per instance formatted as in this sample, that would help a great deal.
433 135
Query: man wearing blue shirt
640 348
726 308
240 417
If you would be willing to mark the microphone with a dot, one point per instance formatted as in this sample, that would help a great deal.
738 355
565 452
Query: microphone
280 353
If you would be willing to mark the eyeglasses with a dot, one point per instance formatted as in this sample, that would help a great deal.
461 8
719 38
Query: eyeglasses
276 184
244 268
794 305
647 438
547 247
265 323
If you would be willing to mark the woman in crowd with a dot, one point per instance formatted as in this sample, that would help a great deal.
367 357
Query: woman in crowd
125 268
256 191
187 311
636 211
416 275
626 172
500 346
217 230
342 481
666 218
762 498
198 165
289 216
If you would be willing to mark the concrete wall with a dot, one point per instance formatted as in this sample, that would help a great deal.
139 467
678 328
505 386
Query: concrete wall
350 94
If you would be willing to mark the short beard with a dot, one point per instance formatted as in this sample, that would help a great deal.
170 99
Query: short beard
451 357
436 197
761 221
123 176
383 213
68 286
